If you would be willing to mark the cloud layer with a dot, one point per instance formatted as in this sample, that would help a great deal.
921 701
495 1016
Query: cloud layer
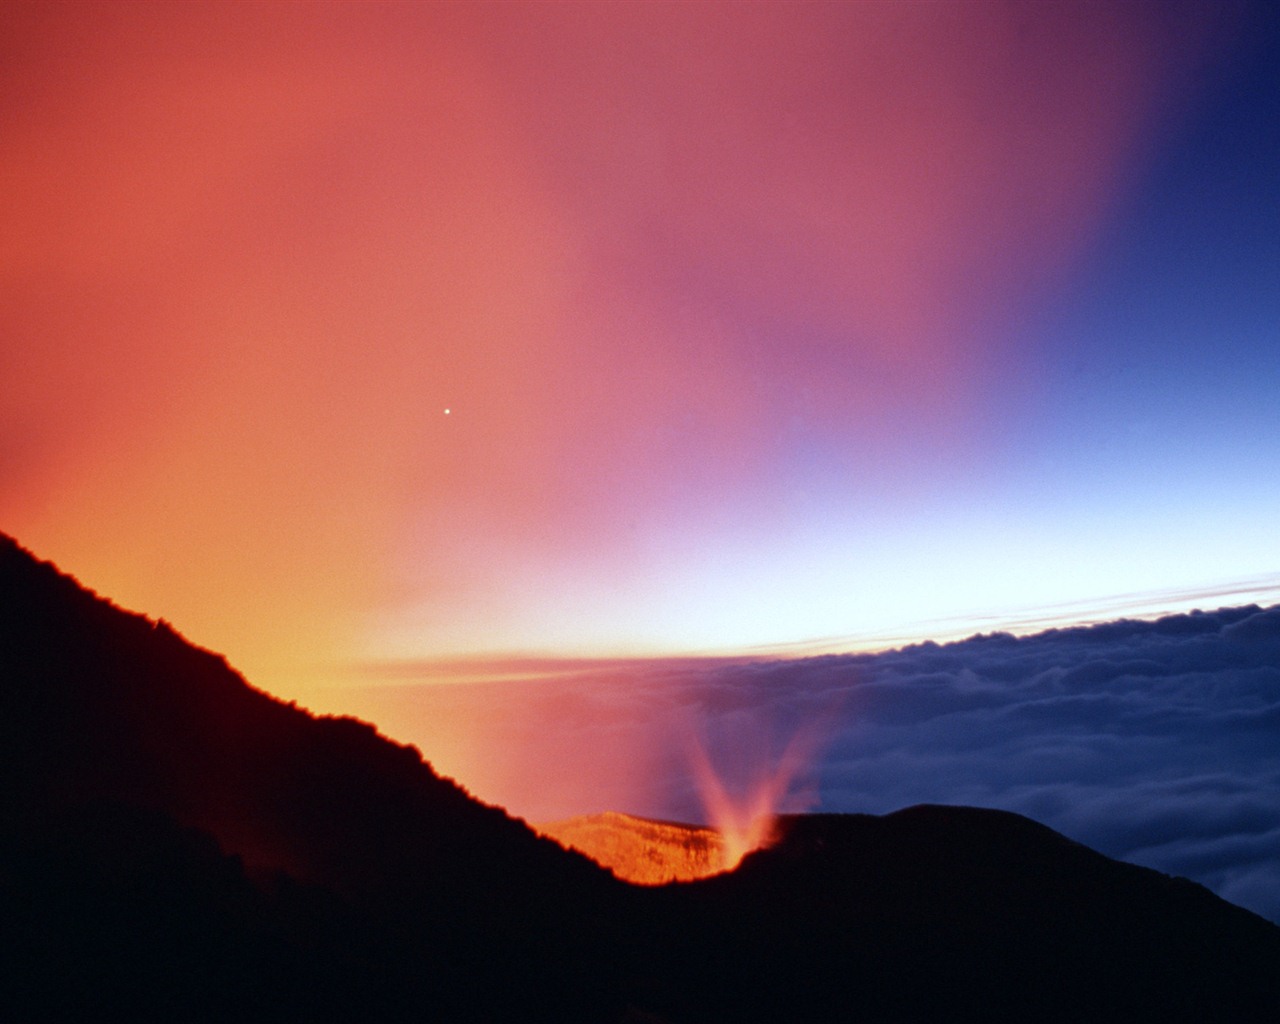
1155 742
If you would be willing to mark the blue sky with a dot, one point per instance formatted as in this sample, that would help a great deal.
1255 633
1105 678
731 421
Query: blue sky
756 327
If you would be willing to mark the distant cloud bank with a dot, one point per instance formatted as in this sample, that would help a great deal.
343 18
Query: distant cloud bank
1154 742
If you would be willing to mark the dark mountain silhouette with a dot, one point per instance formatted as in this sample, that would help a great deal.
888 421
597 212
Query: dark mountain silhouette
946 913
119 737
175 844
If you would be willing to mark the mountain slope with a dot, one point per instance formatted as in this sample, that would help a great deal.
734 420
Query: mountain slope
934 913
176 844
106 715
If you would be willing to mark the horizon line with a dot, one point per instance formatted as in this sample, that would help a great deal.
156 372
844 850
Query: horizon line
525 664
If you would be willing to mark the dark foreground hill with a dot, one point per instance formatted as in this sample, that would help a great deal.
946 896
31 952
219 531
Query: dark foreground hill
176 845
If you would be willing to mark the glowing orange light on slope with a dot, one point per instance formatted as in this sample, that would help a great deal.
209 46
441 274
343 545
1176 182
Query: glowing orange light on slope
640 850
645 851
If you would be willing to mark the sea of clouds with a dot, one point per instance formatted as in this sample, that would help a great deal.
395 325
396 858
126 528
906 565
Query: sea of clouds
1156 742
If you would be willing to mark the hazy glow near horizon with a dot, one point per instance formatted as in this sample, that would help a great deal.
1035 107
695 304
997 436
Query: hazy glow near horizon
356 331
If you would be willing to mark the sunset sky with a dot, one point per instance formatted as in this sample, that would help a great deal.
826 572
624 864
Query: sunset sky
339 334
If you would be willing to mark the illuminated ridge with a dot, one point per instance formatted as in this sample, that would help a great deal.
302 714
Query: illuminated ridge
640 850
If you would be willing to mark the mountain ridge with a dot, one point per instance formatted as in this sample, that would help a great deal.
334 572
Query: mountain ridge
176 843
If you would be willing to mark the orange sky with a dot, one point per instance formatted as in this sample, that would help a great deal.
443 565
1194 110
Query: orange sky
253 252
